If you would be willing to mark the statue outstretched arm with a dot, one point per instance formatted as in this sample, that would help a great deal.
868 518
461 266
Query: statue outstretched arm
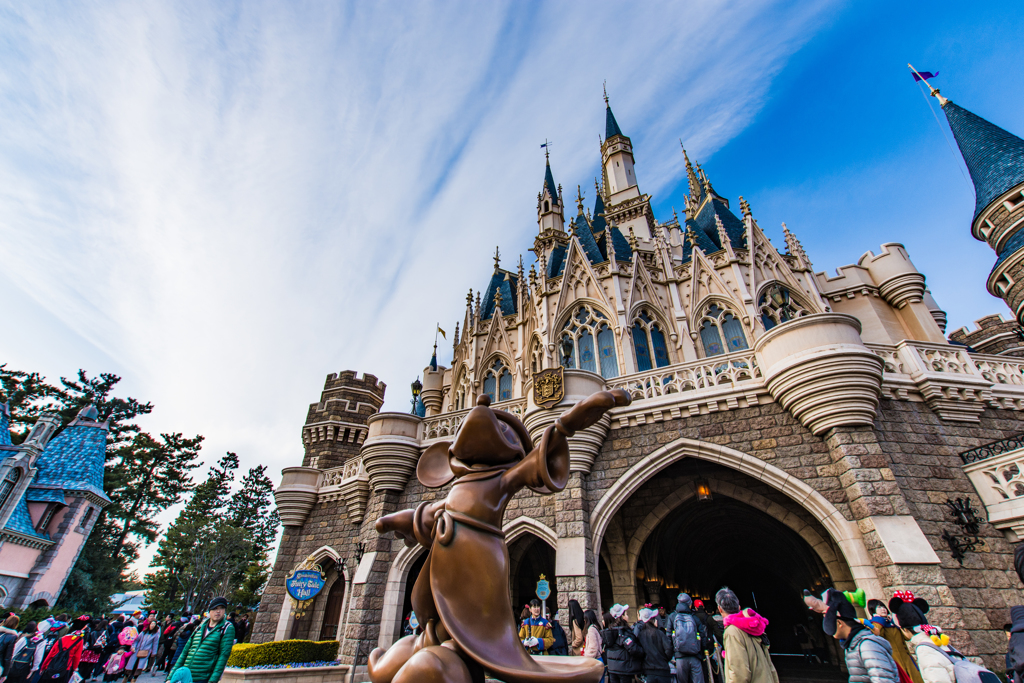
412 526
546 468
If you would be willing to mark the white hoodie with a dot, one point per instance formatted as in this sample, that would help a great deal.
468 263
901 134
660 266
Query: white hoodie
935 666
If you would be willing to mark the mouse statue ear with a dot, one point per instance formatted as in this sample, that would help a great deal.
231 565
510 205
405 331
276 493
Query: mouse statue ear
434 470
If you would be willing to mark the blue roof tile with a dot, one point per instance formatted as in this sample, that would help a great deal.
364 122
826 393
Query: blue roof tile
586 237
1011 247
74 459
5 425
21 522
549 184
994 156
556 262
508 283
36 495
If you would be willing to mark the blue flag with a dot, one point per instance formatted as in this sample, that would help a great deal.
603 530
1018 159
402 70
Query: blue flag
924 75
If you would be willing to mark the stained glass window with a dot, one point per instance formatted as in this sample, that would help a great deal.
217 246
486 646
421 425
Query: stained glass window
489 386
778 306
505 385
498 382
719 324
648 337
606 350
581 329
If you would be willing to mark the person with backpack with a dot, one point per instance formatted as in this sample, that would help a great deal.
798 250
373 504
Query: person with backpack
19 667
143 648
535 631
657 647
50 633
868 656
746 646
8 637
206 652
65 654
623 653
689 639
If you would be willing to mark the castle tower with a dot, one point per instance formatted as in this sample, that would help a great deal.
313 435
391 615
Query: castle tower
626 206
995 159
336 426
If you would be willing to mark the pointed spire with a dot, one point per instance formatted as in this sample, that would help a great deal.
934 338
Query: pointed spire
433 358
611 126
476 316
691 238
745 207
690 174
994 157
632 239
796 249
579 200
549 184
455 339
723 236
497 259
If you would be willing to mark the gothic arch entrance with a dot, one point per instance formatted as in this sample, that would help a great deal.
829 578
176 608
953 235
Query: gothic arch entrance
530 556
332 610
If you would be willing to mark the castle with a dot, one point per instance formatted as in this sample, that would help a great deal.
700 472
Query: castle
789 429
51 493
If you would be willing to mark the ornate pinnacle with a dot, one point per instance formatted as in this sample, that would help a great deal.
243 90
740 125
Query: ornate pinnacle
691 237
579 199
469 299
478 305
497 258
723 236
745 207
794 247
455 339
632 239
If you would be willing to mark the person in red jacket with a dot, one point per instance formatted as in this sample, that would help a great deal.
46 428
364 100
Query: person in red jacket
56 667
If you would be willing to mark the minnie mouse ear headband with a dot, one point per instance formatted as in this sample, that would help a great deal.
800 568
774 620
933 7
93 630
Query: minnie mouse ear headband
909 610
838 608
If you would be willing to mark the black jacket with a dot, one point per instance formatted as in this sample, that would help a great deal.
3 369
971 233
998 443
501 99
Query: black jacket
702 631
616 657
711 626
657 650
8 637
1015 653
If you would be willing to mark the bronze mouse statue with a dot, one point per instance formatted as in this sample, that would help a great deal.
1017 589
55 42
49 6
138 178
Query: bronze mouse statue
461 596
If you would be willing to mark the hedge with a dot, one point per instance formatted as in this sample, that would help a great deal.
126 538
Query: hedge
246 655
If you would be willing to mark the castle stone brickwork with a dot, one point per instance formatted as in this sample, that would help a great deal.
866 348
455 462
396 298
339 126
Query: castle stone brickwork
789 429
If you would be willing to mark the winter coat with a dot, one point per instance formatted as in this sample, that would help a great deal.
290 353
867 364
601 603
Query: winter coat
935 666
900 653
746 656
145 641
8 637
206 652
592 643
616 657
869 658
576 638
1015 653
657 649
711 627
539 628
74 643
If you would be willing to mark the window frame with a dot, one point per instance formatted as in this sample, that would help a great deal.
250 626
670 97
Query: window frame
717 321
595 322
652 321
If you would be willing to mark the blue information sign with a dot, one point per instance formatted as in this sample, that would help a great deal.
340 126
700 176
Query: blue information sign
304 584
543 589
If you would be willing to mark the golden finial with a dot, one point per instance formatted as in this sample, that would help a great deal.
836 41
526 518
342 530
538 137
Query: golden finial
497 258
605 87
933 91
579 198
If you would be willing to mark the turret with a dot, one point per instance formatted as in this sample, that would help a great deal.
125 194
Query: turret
617 159
550 214
995 159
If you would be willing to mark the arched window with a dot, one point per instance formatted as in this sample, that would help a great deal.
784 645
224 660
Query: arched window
721 332
498 382
777 306
536 358
591 343
462 392
649 342
7 485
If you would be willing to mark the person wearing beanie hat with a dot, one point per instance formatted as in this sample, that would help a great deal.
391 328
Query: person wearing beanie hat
205 653
689 640
868 657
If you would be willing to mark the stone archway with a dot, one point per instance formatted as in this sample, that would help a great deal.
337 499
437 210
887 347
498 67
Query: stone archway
394 594
844 533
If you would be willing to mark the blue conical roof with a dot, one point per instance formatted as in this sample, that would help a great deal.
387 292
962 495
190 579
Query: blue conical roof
74 459
508 283
611 126
549 184
994 156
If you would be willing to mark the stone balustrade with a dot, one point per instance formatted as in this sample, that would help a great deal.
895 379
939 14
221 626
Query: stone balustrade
446 425
997 472
349 484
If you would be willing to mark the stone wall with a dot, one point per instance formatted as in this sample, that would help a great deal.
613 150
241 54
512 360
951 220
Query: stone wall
336 426
993 336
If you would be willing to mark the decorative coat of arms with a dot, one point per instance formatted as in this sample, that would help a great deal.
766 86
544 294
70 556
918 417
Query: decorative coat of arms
548 387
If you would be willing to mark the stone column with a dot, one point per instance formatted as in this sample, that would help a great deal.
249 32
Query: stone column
575 571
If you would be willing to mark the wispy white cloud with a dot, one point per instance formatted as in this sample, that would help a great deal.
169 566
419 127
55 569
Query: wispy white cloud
230 200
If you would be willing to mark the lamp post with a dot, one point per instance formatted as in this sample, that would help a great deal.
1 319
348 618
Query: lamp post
417 387
567 349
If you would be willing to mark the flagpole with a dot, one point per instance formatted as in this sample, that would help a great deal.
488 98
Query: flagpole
933 90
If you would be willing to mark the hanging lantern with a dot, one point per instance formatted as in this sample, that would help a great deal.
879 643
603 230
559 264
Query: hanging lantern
703 491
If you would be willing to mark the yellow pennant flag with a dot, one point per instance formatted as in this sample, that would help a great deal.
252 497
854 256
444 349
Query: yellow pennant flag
442 332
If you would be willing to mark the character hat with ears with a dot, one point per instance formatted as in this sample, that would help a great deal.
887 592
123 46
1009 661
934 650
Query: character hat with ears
910 611
815 604
837 607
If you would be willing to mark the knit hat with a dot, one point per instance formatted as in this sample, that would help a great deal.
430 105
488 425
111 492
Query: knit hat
838 607
219 601
684 600
908 610
618 610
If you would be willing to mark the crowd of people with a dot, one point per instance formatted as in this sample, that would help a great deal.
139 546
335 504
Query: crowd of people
59 649
893 643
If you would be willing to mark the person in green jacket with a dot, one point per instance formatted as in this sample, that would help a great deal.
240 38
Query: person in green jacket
206 651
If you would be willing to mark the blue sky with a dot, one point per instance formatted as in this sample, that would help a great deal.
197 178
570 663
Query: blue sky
223 202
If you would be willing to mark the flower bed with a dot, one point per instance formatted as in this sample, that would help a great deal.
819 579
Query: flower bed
282 653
